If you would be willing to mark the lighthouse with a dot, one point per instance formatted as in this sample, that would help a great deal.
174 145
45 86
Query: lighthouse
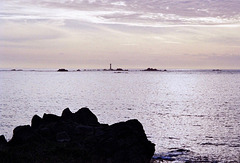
110 67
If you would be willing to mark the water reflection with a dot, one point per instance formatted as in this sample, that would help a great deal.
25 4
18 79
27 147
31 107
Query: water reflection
196 111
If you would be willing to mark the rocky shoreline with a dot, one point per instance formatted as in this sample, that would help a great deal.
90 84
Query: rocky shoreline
76 137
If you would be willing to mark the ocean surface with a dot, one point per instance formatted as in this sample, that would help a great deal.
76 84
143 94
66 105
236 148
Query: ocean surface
195 110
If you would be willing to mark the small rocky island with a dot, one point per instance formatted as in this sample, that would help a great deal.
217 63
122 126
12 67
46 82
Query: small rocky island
153 69
62 70
75 138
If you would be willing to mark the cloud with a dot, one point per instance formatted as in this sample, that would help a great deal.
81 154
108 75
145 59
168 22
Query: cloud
28 31
145 32
164 13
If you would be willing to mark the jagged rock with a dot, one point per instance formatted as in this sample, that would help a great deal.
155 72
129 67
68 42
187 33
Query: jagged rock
21 135
77 137
67 114
3 141
49 118
45 132
36 121
125 142
83 131
62 137
86 117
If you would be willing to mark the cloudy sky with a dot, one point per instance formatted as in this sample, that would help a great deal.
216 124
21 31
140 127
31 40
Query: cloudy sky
127 33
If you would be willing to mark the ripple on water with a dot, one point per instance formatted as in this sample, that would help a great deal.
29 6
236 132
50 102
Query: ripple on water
198 111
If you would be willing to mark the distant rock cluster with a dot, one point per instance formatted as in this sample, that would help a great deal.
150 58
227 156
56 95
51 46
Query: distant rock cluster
76 137
62 70
118 70
153 69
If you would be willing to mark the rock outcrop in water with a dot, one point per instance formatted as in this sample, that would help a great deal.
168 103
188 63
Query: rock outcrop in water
76 137
151 69
62 70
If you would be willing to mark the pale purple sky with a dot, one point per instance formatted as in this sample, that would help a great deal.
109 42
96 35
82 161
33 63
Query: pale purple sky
127 33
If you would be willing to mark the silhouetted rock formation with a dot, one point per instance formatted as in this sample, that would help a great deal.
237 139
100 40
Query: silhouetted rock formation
16 70
62 70
216 70
120 69
150 69
76 137
3 142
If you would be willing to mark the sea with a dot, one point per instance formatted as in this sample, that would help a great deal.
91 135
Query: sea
195 111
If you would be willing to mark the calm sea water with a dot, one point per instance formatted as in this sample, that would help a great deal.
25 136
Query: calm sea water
194 110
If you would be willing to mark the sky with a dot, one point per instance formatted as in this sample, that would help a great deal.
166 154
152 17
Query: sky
164 34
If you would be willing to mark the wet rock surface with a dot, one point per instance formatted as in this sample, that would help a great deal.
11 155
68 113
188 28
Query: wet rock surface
76 137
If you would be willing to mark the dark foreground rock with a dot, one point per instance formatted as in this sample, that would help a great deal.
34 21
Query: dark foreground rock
76 137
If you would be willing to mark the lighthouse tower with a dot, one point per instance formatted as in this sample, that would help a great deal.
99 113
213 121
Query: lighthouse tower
110 67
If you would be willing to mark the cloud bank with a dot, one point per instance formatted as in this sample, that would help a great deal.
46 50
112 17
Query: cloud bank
133 33
128 12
